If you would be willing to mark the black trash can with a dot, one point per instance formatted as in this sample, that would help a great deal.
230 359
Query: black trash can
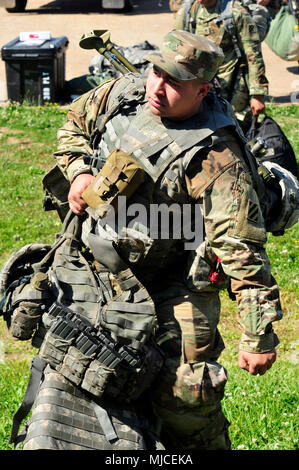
35 71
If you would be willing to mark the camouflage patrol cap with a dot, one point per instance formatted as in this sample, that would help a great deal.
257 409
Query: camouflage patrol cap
187 56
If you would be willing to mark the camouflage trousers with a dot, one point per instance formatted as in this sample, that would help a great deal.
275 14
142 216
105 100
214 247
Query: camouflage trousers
187 395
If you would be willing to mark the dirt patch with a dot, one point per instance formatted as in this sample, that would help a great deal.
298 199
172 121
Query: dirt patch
7 130
11 140
14 140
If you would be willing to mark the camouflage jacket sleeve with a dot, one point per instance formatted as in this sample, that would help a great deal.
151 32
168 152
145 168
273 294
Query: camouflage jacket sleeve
235 230
74 136
250 45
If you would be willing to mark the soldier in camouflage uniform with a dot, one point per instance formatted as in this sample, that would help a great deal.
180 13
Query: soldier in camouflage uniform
191 156
245 86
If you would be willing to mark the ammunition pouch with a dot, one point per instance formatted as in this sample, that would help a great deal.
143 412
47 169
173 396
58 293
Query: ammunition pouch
120 175
93 360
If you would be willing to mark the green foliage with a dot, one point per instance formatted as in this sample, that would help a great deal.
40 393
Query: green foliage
284 256
262 409
14 375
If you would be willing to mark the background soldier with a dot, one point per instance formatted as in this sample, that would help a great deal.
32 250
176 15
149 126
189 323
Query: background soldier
185 150
242 79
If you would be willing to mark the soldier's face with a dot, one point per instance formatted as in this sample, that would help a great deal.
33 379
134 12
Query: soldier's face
173 99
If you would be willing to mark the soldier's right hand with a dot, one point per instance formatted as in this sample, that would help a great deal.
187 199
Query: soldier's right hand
257 104
80 183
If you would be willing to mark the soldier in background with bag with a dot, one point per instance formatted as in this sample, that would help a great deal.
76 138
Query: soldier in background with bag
229 24
168 143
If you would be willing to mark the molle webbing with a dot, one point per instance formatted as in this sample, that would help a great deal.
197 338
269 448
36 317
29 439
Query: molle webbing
128 91
74 282
64 418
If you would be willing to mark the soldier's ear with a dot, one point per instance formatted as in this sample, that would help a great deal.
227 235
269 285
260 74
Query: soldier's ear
203 90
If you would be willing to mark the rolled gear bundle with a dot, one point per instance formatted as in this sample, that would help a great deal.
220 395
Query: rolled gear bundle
21 263
29 301
24 292
289 185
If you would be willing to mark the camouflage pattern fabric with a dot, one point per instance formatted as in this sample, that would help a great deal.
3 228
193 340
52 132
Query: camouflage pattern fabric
65 418
249 43
186 57
234 236
187 394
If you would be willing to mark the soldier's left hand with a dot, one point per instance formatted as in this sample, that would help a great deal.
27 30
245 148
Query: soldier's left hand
257 104
257 363
80 183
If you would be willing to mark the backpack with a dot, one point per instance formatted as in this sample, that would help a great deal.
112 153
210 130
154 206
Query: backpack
277 148
276 163
102 70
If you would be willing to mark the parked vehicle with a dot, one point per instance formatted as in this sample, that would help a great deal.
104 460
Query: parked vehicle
14 6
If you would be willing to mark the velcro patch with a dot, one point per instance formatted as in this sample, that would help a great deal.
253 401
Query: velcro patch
253 212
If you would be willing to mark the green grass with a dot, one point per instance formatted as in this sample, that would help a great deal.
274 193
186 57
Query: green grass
263 410
27 142
14 375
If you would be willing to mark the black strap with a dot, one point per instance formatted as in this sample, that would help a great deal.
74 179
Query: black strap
37 369
193 22
233 81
